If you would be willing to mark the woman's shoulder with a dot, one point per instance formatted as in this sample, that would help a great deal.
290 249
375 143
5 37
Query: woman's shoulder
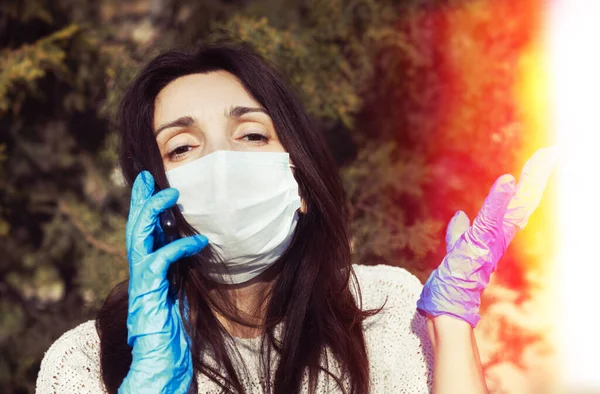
396 337
394 290
72 363
378 283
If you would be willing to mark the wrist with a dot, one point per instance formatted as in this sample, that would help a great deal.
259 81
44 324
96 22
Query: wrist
152 382
447 330
160 370
449 297
457 363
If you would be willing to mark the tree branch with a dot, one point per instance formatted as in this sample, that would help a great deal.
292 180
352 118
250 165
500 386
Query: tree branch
64 208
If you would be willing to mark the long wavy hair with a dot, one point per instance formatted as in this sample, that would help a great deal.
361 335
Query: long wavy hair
312 290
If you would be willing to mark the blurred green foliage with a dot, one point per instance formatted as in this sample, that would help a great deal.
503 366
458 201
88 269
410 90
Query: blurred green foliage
366 71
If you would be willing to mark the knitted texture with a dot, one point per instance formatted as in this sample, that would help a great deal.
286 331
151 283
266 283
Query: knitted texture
400 355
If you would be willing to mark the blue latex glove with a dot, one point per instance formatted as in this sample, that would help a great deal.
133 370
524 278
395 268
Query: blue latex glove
455 287
162 361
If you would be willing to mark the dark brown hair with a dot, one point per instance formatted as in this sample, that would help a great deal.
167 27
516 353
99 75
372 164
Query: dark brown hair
312 288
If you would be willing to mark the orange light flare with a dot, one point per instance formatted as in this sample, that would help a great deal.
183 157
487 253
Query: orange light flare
532 97
494 115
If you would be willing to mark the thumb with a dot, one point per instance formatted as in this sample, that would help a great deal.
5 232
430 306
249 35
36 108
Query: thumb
180 248
456 227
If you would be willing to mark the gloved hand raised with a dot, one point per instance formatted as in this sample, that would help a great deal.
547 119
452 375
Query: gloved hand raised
161 357
455 287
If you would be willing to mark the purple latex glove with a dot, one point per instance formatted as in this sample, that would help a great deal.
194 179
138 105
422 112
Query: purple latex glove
455 287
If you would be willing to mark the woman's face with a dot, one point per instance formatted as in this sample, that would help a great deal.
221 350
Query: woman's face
198 114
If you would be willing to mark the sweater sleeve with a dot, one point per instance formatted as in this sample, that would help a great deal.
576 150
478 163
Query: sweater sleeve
400 353
72 363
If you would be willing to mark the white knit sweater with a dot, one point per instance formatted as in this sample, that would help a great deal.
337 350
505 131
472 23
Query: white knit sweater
400 355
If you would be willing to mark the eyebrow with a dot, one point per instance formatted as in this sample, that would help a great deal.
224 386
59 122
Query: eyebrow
236 112
187 121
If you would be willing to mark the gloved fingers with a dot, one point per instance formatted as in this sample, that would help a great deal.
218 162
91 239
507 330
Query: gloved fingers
145 224
180 248
530 189
142 190
456 227
488 224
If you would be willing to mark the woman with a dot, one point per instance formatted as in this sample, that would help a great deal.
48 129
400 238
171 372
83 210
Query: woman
261 296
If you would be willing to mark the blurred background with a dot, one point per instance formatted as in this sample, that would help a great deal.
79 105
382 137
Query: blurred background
424 103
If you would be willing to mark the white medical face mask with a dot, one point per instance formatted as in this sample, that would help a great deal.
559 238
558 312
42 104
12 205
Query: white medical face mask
245 203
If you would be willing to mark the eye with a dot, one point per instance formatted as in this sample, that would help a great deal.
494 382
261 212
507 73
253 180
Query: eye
255 137
178 152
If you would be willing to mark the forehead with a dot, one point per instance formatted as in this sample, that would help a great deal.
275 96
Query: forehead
201 96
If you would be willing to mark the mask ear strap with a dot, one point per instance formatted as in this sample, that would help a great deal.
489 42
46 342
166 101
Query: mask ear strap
292 166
